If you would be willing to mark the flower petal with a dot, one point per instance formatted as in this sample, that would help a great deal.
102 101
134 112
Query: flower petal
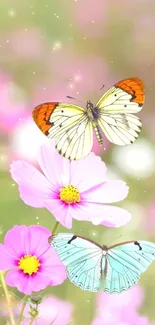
109 216
7 260
50 257
55 167
60 211
56 311
37 240
57 274
17 279
37 321
22 240
33 185
27 284
52 311
87 172
16 240
107 192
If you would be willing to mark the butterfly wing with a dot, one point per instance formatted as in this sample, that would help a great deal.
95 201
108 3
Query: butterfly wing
69 125
125 263
82 259
116 106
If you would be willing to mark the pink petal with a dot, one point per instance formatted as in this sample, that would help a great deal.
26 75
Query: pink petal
56 274
115 216
37 321
17 279
55 311
16 240
87 172
60 211
22 240
27 284
37 240
33 186
52 311
109 216
55 167
50 257
7 260
107 192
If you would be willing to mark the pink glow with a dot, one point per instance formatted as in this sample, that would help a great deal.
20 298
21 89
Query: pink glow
12 103
26 43
90 18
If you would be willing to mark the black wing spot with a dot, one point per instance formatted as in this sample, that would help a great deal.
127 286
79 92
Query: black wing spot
136 243
60 125
62 111
125 105
115 95
73 238
60 151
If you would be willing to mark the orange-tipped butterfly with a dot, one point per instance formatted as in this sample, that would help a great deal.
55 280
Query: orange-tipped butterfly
72 125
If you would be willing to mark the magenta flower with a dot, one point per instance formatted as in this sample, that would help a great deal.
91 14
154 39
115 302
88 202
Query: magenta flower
75 189
28 257
51 311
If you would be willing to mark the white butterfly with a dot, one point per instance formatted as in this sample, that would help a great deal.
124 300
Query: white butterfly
72 126
87 262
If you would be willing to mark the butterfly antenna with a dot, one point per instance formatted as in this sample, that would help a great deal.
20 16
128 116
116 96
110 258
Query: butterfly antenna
80 101
102 87
71 97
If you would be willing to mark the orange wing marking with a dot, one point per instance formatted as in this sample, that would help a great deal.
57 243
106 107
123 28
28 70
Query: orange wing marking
41 115
134 87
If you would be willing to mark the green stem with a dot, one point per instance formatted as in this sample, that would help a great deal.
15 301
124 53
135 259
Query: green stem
55 227
22 310
7 296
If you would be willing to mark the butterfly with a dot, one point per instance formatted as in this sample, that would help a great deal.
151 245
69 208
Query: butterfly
87 262
72 126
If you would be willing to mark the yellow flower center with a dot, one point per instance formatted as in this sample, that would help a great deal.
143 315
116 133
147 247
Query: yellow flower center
69 194
29 264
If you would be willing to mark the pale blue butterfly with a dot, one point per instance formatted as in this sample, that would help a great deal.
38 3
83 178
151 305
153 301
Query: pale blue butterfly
87 261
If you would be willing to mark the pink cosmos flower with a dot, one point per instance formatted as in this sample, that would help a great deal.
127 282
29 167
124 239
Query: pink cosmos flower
122 311
28 257
51 311
75 189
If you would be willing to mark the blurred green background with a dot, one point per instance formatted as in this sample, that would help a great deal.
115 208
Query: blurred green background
54 48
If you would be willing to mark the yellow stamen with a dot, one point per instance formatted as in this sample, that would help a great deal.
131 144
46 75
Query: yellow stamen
29 264
69 194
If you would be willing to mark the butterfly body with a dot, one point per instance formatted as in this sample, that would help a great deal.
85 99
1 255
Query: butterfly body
72 126
88 263
93 115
